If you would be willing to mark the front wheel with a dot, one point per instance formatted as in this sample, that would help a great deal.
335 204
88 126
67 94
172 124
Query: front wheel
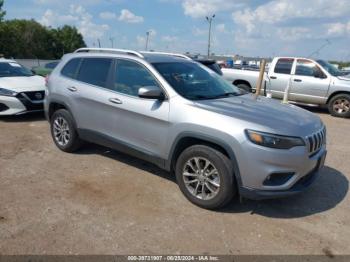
339 105
205 176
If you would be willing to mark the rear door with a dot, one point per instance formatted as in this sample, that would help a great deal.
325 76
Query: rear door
93 111
280 76
309 83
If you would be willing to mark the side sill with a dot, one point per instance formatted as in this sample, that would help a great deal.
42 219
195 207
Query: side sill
121 146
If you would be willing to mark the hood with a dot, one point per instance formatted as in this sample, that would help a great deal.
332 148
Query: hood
23 83
344 78
268 114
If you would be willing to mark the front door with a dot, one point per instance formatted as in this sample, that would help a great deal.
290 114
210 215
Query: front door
309 83
142 123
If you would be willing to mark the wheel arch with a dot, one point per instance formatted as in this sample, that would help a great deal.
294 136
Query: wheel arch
337 93
188 139
240 81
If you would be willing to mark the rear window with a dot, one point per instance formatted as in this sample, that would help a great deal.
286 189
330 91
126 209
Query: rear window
71 68
95 71
284 66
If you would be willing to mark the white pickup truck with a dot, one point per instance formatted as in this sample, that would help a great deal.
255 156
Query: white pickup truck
311 82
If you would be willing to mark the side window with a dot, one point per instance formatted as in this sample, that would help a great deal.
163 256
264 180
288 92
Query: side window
71 68
284 66
131 76
95 71
307 68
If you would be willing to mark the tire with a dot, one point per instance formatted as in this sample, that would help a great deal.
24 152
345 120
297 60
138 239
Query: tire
245 87
223 194
339 106
70 142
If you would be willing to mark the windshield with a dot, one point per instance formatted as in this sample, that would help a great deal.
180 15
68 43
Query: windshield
194 81
12 69
330 68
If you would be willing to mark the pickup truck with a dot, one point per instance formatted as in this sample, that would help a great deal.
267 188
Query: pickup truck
310 82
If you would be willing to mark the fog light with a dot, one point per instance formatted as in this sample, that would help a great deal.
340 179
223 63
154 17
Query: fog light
277 179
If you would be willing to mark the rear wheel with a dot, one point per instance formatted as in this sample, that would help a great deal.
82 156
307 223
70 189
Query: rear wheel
205 176
63 131
339 105
245 87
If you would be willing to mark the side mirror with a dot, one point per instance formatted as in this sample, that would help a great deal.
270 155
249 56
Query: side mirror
320 74
151 92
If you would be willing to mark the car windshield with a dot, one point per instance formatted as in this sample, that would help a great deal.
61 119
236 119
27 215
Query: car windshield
193 81
330 68
12 69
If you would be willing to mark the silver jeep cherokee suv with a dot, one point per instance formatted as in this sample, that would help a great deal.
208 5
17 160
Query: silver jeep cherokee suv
183 117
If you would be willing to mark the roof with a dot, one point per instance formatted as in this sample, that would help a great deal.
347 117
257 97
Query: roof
149 56
163 58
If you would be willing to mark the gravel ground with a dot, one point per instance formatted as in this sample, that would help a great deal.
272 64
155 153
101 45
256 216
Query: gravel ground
99 201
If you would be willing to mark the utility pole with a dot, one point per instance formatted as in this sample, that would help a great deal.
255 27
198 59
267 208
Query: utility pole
112 41
147 39
210 20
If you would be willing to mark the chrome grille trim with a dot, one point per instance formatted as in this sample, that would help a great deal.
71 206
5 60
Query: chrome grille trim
316 140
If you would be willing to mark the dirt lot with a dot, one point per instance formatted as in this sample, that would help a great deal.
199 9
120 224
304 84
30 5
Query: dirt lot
102 202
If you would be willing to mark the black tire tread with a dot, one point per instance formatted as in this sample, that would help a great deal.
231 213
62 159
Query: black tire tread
75 142
216 156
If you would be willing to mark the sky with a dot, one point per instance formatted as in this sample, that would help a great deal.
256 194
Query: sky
320 28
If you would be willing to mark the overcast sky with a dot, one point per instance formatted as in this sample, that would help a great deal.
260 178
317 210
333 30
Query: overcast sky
246 27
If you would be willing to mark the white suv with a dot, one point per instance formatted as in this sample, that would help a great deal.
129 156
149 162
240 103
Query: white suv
185 118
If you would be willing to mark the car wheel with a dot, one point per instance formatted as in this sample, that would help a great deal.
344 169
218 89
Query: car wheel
245 87
205 176
63 131
339 105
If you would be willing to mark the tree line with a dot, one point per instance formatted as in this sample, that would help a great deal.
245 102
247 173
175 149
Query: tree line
21 38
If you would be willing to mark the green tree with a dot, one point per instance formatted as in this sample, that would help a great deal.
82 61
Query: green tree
29 39
67 39
2 12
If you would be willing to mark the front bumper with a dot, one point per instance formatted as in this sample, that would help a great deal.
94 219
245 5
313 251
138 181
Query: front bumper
23 103
258 164
300 186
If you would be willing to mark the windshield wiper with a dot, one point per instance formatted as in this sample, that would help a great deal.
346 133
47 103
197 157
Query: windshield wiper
224 95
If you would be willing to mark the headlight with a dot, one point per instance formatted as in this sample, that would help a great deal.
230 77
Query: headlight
6 92
274 141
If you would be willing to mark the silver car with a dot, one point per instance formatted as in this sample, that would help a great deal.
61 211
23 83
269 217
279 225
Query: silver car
183 117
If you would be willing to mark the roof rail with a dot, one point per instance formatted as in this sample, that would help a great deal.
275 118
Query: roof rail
165 53
109 50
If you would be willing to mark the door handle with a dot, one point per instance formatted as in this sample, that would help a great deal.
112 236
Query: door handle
297 80
72 89
273 77
115 101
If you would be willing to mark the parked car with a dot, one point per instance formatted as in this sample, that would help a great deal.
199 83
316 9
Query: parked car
210 64
46 69
184 118
20 91
311 83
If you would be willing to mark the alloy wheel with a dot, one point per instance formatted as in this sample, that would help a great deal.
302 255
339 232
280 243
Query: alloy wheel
341 106
61 131
201 178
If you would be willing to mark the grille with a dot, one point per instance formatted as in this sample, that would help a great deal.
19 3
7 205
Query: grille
34 96
316 140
